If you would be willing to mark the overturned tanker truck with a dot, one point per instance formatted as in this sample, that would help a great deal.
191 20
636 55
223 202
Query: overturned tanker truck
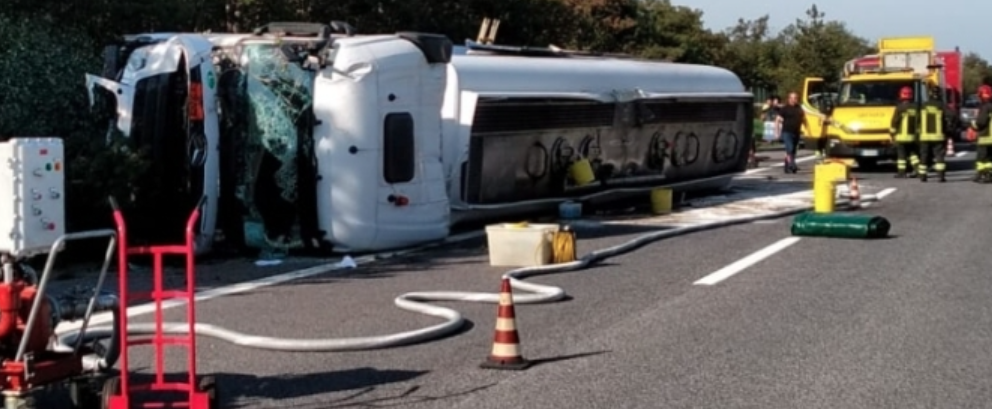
307 136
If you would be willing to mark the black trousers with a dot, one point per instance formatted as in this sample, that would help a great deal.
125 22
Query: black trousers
907 158
932 150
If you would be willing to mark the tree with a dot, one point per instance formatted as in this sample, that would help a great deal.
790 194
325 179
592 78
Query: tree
753 53
604 25
675 33
977 71
43 95
817 47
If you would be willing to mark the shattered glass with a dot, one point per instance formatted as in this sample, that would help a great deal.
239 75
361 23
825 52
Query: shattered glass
272 98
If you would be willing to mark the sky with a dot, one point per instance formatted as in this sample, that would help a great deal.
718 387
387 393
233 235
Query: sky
951 23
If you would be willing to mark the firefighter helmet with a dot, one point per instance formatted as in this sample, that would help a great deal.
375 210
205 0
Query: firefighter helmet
905 93
985 92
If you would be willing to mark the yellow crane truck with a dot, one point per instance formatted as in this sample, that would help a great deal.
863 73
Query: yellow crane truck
854 120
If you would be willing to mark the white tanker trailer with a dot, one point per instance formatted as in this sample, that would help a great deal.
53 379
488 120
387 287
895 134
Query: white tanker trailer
520 122
372 142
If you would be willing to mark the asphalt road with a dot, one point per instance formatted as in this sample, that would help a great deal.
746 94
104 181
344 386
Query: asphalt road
903 322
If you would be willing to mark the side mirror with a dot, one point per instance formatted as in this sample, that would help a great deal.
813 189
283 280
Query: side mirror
828 107
825 105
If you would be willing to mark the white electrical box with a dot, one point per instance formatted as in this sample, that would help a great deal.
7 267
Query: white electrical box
32 199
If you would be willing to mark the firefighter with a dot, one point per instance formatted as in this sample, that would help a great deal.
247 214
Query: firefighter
903 131
933 148
983 157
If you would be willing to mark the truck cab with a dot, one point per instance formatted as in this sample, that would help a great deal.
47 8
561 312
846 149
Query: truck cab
859 116
300 137
161 88
855 123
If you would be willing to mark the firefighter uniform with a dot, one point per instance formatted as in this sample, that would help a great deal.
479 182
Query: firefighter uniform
932 146
905 122
983 159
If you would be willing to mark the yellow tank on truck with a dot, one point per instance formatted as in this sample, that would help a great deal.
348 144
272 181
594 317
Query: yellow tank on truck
893 44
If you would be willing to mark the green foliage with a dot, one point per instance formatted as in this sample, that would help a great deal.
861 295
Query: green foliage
810 47
41 82
41 78
977 71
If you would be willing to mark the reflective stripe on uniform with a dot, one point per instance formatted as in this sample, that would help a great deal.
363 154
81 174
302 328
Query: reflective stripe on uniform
932 129
907 127
985 137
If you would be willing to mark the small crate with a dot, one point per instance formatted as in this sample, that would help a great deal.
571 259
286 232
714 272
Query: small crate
520 245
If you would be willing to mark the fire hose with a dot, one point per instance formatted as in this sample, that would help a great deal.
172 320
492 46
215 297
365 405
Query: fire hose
418 301
70 308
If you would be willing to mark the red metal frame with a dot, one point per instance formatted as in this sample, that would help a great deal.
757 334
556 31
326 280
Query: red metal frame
197 399
21 305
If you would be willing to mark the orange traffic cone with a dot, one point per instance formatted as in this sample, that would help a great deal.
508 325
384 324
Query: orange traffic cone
950 146
854 192
506 345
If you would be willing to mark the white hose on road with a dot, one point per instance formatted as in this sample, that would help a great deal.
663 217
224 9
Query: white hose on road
417 301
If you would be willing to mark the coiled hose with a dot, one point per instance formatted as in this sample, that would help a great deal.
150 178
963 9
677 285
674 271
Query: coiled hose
530 293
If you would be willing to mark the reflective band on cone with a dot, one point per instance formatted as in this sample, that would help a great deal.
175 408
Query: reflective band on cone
506 342
854 193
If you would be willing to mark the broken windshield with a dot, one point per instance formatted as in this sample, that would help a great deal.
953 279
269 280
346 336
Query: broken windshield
273 119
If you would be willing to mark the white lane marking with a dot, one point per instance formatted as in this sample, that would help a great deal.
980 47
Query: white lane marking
960 154
247 286
778 165
744 263
769 221
885 192
880 195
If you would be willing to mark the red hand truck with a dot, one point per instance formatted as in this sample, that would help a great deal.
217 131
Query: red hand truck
117 391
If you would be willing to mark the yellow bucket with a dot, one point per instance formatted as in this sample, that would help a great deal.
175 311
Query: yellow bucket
581 172
830 172
661 201
824 196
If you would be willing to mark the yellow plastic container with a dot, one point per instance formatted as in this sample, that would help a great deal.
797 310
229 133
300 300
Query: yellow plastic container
581 172
824 196
661 201
830 172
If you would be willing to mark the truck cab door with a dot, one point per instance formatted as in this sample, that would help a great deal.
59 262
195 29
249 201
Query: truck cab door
813 90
